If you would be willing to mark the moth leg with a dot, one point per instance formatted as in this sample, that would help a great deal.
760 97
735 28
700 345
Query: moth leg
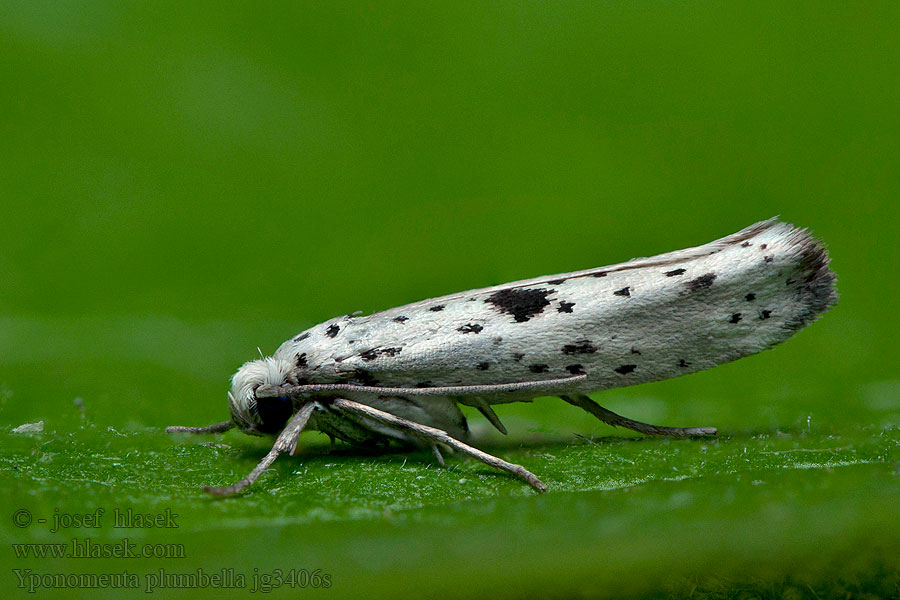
286 441
485 409
214 428
437 454
611 418
436 435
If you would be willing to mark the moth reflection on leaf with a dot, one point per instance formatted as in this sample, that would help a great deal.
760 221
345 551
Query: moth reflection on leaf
401 374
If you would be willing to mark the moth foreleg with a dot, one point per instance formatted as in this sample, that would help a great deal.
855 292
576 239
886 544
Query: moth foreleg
611 418
286 441
214 428
434 435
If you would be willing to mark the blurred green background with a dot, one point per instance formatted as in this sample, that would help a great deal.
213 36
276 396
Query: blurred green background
183 182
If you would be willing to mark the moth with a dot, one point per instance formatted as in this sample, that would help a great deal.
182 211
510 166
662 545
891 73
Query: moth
401 374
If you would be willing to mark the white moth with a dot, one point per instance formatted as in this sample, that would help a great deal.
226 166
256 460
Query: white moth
399 375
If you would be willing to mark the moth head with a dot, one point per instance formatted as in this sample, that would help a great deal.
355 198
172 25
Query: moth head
254 415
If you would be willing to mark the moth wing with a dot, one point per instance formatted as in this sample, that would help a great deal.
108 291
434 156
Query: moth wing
642 320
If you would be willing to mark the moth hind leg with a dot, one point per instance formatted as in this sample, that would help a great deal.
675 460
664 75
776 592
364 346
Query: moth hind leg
433 437
610 418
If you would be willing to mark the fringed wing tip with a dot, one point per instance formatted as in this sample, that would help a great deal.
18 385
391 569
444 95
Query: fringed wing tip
818 288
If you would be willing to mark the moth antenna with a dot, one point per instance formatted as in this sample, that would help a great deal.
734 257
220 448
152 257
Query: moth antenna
287 440
214 428
274 391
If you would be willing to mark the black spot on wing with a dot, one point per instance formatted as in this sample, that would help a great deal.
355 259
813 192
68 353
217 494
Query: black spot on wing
332 331
517 356
301 360
735 318
764 314
763 246
674 272
625 291
683 363
557 281
424 384
374 353
522 304
470 328
768 259
624 369
701 283
483 366
369 354
579 347
599 274
565 307
575 369
437 308
635 350
400 319
301 337
746 245
538 368
750 297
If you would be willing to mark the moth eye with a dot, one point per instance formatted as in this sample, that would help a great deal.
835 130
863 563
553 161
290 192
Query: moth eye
273 413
